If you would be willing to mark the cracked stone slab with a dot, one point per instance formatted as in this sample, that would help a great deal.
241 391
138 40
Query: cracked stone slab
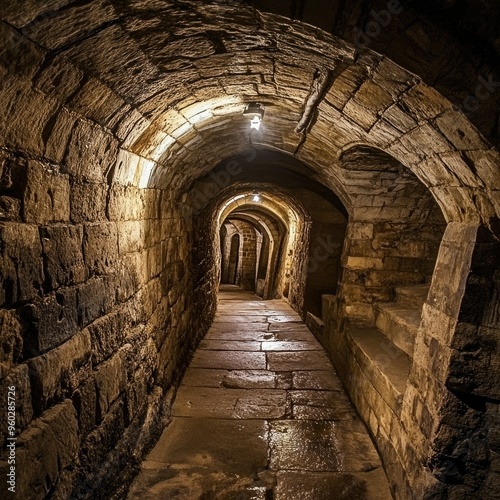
316 445
232 446
302 360
229 345
329 485
229 360
209 402
287 345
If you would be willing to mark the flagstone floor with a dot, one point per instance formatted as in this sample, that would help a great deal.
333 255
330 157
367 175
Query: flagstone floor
261 415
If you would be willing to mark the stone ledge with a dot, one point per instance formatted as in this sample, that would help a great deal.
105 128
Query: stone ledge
399 323
386 366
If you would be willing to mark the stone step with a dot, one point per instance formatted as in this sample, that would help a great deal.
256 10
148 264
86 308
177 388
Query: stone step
384 365
316 325
412 295
399 323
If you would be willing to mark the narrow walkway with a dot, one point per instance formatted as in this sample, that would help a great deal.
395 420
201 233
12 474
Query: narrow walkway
260 415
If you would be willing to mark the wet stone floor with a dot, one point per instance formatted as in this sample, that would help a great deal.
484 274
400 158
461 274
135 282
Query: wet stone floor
261 415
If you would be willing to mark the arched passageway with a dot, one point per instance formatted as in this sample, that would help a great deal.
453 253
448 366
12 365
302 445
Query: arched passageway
125 144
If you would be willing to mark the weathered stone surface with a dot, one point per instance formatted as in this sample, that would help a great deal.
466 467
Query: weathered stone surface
48 446
11 341
85 158
55 374
95 298
85 402
63 255
60 129
130 236
10 209
100 247
49 321
88 202
46 197
110 382
21 271
18 378
107 335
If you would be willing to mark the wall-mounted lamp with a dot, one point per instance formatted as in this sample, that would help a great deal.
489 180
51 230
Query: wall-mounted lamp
255 112
256 196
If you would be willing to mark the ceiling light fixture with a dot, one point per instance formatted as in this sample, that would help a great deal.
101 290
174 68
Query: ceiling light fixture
255 112
256 197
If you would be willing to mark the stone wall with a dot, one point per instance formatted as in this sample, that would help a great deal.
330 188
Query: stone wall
248 254
98 310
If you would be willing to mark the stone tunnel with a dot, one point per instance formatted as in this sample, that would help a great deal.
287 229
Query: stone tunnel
364 192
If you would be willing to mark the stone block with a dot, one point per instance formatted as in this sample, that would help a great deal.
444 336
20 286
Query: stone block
27 115
131 276
49 321
111 378
360 314
450 275
59 134
154 261
475 365
88 202
104 437
393 78
359 114
130 236
46 196
48 446
10 209
90 154
85 401
12 174
63 255
424 102
19 54
373 97
11 340
54 374
426 138
399 118
486 164
364 263
152 232
96 101
136 392
360 231
384 278
460 132
125 203
345 85
100 247
59 79
95 298
21 269
107 335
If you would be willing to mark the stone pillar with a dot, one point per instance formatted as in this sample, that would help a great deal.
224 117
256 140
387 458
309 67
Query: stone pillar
450 409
